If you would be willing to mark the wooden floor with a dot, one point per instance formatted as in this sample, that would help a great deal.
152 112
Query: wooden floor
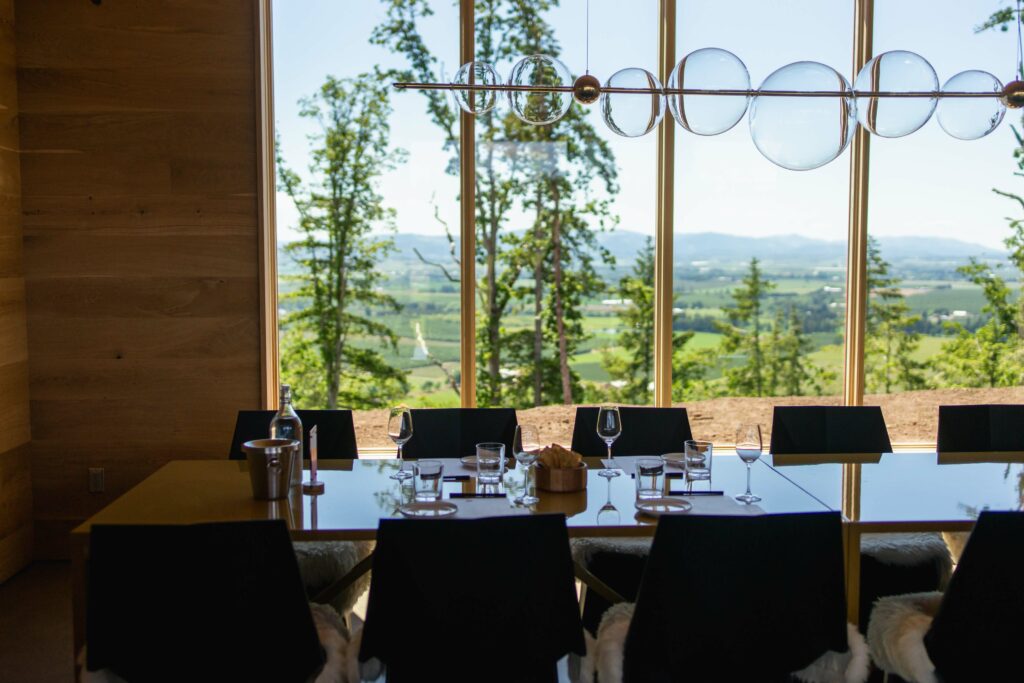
35 625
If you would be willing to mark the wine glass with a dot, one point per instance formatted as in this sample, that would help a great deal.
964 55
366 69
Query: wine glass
748 447
400 431
609 515
526 449
609 426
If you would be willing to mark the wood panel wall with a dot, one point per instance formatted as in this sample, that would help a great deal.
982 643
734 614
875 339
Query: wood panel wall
139 194
15 463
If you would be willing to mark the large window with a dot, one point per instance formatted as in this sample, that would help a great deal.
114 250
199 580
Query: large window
932 337
373 211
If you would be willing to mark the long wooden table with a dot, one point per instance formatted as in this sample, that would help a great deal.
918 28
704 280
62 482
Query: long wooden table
358 493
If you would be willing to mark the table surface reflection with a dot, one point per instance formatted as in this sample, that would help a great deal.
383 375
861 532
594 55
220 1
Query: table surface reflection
913 487
358 493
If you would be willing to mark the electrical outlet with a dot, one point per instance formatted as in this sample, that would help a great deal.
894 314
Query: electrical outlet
96 477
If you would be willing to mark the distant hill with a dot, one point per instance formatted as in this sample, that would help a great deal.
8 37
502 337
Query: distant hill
721 249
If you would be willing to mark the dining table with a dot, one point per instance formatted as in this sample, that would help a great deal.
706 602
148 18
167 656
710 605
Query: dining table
876 493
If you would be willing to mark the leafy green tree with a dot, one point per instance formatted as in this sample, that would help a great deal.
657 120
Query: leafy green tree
743 334
891 340
796 373
556 249
990 356
328 346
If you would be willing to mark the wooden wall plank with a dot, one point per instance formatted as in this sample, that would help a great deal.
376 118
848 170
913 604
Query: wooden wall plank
16 526
139 183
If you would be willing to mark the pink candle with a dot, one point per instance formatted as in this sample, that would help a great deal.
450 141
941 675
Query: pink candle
312 453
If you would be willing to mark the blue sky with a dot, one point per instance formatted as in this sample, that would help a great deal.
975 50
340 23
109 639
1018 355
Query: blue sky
925 184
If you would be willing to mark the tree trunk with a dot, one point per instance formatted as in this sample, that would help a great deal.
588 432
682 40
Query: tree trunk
538 307
556 257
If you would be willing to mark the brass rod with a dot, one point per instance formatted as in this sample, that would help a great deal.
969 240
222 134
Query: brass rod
467 221
664 226
921 94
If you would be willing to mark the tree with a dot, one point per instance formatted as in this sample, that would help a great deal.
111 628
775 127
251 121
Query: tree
743 334
891 340
328 345
990 356
789 356
636 367
542 171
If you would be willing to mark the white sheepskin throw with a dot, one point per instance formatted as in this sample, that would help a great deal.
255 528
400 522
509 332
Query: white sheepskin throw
907 549
329 627
605 656
955 541
584 549
852 666
896 635
323 562
360 671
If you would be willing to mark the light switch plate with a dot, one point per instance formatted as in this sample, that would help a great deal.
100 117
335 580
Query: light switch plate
96 479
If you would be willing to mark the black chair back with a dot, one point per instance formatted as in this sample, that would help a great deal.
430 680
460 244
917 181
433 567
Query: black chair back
645 431
807 430
738 598
981 429
477 585
335 434
976 633
455 432
216 602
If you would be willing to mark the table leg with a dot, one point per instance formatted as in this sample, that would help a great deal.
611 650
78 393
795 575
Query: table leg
335 589
851 548
79 567
595 584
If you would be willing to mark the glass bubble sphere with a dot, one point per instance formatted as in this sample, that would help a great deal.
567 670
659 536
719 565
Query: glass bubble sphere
632 114
802 133
970 118
896 71
709 68
540 107
476 101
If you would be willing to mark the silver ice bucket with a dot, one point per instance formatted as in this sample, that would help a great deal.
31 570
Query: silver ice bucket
270 466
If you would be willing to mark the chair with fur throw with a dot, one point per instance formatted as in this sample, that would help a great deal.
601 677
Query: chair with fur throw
736 599
890 563
619 562
211 602
972 632
321 563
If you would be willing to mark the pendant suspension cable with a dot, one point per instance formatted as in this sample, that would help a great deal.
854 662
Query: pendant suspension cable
1020 55
586 62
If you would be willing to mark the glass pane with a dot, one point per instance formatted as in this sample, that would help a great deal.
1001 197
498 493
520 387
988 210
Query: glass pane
369 287
932 336
565 217
760 251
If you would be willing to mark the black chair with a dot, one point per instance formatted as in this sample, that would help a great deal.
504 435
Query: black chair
203 602
498 589
336 435
975 430
645 431
735 598
891 564
455 432
973 631
829 430
619 562
981 429
321 563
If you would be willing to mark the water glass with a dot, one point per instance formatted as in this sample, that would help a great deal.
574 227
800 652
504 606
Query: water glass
650 478
490 462
428 478
697 457
526 449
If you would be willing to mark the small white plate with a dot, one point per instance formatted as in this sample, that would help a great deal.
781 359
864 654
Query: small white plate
675 459
440 508
655 507
468 461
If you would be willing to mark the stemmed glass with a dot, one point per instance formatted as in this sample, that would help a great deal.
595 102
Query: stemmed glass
609 426
748 447
400 431
526 449
608 515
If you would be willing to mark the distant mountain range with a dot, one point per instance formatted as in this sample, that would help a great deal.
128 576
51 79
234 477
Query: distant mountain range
715 248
